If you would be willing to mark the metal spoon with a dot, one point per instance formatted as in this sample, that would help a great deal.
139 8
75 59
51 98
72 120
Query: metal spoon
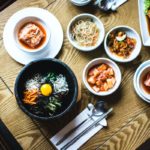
97 110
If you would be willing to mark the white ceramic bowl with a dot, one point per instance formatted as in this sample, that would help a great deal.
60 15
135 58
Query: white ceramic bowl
137 90
140 77
111 64
99 25
130 33
80 3
25 20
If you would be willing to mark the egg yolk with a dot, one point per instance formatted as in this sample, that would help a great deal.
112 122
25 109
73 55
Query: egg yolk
46 89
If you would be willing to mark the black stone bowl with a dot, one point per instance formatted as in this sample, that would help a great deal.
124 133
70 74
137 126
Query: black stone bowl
44 66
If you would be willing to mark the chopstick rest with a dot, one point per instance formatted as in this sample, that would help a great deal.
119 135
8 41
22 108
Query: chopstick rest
75 122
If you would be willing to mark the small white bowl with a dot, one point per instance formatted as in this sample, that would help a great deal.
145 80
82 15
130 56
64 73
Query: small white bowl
111 64
99 25
140 77
81 3
25 20
137 89
130 33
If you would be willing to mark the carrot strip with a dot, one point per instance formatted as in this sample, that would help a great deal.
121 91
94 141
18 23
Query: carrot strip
30 96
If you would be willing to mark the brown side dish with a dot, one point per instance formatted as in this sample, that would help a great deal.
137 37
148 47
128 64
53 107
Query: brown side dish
101 78
32 35
120 44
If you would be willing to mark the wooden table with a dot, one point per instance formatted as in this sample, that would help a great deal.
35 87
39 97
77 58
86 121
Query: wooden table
129 125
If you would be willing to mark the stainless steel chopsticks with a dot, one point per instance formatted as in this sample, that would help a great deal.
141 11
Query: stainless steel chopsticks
73 130
86 130
70 132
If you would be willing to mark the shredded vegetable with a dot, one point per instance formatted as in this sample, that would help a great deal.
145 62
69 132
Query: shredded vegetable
60 85
30 96
85 32
44 94
34 83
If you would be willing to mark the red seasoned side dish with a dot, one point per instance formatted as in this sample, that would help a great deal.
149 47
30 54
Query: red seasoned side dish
32 35
146 82
101 78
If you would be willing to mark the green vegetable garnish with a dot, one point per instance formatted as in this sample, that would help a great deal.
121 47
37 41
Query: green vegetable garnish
51 77
53 104
147 6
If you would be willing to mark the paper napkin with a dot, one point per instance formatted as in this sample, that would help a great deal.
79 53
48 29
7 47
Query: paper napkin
118 3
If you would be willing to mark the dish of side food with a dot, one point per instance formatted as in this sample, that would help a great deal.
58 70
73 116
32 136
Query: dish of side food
147 13
85 32
30 34
102 76
146 82
80 2
46 89
122 44
141 81
144 18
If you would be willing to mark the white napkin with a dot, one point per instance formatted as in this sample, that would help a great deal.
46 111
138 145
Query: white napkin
117 4
76 121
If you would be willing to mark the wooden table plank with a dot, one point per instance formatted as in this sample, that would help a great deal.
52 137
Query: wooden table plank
132 135
21 126
10 68
5 93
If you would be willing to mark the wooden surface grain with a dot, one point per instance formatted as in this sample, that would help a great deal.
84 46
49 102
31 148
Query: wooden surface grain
130 135
22 127
129 124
